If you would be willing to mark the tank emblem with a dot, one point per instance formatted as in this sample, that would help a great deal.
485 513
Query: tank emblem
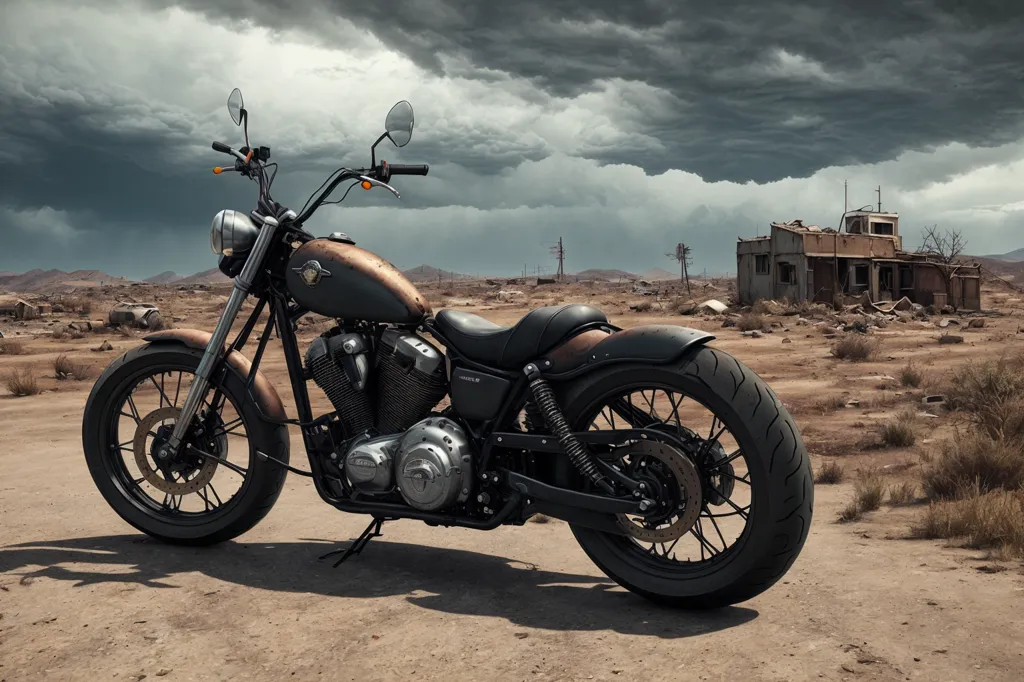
311 273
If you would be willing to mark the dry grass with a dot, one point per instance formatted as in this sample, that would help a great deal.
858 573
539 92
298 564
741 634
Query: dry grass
902 493
911 376
993 520
832 403
830 473
749 322
21 382
899 431
855 348
760 307
64 369
868 493
12 347
974 460
991 395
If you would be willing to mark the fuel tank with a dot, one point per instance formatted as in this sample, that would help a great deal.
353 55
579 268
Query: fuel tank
339 279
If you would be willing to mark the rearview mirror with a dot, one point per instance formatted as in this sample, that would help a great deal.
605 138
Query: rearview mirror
235 106
399 123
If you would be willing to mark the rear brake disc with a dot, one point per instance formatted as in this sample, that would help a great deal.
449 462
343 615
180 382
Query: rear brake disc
688 501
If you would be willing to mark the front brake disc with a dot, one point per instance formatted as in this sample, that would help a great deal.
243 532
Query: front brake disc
146 465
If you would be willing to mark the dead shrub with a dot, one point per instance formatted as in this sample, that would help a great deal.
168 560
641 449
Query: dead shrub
911 376
760 307
899 431
21 382
851 512
868 492
64 368
12 347
902 493
993 520
974 460
749 322
855 348
830 473
991 395
832 403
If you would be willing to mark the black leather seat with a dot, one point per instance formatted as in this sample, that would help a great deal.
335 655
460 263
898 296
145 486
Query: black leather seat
539 331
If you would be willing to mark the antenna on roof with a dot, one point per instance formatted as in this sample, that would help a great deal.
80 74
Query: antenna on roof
846 197
879 193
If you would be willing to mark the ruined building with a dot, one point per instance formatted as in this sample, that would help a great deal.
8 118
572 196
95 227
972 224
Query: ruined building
808 263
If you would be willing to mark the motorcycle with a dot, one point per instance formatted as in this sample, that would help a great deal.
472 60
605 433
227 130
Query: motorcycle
562 415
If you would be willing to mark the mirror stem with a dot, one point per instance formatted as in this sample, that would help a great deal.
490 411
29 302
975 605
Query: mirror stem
373 152
245 125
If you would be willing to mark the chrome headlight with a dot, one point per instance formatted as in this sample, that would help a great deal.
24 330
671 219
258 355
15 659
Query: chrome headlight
232 232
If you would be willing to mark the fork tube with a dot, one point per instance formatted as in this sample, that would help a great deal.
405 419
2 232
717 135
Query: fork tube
201 383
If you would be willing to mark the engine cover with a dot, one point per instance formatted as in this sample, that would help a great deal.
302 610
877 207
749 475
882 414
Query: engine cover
434 464
368 464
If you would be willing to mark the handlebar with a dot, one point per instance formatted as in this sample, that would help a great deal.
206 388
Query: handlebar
405 169
221 147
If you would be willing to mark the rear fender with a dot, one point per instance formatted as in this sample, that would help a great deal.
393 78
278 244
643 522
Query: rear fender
650 344
263 392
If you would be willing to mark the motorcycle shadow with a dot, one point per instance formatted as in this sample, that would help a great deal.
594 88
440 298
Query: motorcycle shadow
456 581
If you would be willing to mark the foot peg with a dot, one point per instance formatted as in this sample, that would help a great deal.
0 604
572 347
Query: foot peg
359 544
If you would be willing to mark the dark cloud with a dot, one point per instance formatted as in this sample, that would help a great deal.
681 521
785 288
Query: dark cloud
752 90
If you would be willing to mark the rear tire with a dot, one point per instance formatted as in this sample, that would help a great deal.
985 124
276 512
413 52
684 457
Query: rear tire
779 470
258 492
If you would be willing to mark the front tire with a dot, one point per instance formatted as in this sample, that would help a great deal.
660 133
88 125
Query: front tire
119 394
778 469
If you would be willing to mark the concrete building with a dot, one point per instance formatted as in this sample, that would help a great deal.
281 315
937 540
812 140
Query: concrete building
808 263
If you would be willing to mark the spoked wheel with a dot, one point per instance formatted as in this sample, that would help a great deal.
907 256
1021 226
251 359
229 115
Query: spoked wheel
725 468
214 487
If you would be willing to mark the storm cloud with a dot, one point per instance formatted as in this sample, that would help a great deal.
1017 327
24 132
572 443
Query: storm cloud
622 127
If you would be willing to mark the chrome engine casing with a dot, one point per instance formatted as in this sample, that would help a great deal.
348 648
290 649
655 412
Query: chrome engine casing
430 464
434 464
369 464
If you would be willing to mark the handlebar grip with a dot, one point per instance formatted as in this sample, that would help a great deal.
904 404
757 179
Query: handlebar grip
405 169
221 147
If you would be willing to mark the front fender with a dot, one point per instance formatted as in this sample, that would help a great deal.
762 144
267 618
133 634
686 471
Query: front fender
650 344
264 393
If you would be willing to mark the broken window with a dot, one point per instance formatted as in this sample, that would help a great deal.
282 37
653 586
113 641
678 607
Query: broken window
860 275
883 228
787 273
885 279
761 265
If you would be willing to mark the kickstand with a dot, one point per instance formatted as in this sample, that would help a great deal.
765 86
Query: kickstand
360 543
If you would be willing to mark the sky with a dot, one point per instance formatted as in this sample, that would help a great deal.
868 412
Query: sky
623 128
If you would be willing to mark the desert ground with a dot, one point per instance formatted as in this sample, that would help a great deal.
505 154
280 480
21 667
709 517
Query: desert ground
83 596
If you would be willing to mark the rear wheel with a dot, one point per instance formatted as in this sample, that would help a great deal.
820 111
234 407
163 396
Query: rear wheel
731 473
215 488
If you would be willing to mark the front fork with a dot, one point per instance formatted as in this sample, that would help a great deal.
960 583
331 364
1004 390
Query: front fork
214 350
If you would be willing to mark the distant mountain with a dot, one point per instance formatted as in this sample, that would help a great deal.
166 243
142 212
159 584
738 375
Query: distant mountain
658 275
428 273
50 280
211 276
167 277
604 274
1015 256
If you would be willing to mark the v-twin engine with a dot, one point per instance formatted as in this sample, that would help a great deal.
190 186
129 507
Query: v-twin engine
429 464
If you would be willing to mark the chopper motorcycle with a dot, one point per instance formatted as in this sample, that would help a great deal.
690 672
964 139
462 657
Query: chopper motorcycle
680 473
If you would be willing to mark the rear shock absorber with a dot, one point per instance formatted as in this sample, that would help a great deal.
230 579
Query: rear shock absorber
544 397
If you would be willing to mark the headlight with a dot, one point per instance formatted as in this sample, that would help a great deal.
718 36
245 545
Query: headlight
232 233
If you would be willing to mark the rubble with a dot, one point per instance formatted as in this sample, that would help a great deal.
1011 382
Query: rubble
715 305
947 339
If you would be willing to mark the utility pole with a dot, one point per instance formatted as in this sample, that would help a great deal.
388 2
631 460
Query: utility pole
682 256
879 193
846 198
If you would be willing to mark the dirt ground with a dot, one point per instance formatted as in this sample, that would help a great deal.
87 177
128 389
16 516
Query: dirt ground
85 597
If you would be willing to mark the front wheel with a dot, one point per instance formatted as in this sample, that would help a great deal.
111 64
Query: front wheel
215 488
730 469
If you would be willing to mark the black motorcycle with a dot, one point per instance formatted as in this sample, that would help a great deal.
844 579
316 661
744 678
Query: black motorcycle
680 473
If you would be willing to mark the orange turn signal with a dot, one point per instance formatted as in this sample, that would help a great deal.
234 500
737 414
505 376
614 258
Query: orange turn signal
366 184
218 170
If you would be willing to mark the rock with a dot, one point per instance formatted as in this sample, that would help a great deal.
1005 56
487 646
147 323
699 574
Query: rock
947 310
105 346
858 326
163 671
934 400
522 635
786 340
754 334
976 323
950 338
946 321
729 322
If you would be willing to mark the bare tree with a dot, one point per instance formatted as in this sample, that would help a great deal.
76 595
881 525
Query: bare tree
682 256
944 247
944 250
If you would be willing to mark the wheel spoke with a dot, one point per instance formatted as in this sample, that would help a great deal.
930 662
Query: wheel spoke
229 465
135 411
739 511
160 389
177 390
735 478
172 502
717 529
723 462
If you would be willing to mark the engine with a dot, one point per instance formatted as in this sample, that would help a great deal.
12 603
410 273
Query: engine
396 447
430 464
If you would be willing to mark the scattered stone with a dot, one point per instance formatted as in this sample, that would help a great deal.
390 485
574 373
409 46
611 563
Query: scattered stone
947 339
853 403
522 635
946 321
105 346
976 323
754 334
163 671
729 322
786 340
